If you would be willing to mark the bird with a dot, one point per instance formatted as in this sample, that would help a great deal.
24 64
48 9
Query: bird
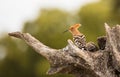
78 38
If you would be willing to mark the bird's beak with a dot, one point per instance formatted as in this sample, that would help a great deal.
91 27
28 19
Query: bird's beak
66 31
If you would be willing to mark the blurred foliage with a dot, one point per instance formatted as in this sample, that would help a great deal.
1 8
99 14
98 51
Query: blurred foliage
19 60
49 27
92 17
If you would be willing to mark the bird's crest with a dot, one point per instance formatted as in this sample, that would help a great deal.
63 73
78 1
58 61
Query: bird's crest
74 29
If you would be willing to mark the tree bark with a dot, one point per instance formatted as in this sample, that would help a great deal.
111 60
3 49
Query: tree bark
102 63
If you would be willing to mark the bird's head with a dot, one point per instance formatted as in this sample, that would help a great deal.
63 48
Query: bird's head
74 29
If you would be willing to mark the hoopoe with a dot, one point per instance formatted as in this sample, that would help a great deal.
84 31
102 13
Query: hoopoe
78 38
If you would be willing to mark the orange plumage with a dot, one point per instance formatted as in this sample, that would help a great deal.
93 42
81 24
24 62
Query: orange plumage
74 29
78 38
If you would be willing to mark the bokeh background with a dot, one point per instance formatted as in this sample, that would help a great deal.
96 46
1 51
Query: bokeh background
47 24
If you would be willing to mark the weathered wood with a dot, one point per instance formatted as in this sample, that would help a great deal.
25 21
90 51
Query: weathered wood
102 63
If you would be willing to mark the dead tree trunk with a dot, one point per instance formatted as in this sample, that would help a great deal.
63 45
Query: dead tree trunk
103 63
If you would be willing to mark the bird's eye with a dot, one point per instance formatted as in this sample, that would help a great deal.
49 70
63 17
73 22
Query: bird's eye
71 27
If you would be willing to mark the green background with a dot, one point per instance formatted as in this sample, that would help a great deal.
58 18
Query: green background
22 61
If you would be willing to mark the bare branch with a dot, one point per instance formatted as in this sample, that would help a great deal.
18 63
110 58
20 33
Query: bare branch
81 53
104 62
34 43
114 42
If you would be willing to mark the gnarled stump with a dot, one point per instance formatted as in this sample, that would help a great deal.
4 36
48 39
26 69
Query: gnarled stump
103 63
